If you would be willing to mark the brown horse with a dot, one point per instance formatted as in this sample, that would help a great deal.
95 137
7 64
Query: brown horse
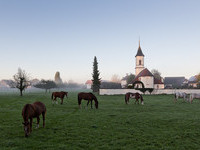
136 96
31 111
87 96
61 95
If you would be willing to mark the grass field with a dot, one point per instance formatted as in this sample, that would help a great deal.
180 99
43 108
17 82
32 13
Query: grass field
159 124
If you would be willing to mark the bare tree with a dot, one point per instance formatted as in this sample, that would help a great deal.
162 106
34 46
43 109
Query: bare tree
115 78
156 74
21 80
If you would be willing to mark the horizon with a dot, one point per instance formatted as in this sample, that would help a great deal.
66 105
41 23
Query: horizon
43 37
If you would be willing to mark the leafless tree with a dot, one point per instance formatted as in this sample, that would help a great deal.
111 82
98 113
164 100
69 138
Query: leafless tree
156 74
21 80
115 78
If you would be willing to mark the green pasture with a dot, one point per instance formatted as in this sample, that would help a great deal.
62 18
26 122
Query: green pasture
159 124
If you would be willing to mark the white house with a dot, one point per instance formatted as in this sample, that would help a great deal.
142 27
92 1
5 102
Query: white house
88 84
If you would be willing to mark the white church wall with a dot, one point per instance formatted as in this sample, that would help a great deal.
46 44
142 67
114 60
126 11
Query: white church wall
159 86
148 81
123 83
156 91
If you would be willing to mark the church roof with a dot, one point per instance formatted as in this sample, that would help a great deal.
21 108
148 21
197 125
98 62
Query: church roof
157 81
143 73
139 52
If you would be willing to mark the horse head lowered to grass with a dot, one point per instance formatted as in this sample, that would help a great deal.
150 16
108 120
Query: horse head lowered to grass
89 97
31 111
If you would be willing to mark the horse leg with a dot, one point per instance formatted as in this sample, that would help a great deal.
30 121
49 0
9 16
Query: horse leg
38 121
55 100
88 103
43 117
31 121
91 104
136 101
61 101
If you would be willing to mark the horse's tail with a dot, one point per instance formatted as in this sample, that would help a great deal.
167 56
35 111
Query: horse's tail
191 98
52 95
126 98
79 99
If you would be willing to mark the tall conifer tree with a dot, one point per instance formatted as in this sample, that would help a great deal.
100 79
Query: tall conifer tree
96 80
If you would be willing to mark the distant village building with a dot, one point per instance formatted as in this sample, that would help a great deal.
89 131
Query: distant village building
5 83
88 84
193 82
144 75
174 82
124 81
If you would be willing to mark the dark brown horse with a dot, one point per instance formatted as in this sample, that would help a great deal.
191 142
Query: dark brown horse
136 96
61 95
31 111
87 96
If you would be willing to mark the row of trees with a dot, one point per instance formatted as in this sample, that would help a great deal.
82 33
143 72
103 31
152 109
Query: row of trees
22 81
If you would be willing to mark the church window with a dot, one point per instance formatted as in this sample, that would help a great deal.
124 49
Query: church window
140 62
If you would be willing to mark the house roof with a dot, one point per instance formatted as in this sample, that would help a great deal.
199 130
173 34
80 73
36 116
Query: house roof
88 82
174 81
193 79
157 81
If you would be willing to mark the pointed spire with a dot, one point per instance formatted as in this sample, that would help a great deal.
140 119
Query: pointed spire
139 41
139 52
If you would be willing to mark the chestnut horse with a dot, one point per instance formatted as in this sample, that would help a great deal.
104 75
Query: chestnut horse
61 95
87 96
31 111
136 96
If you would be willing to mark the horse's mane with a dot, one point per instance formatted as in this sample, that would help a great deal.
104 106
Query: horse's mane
25 110
93 96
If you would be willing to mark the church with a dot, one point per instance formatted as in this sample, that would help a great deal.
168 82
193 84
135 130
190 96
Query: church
143 75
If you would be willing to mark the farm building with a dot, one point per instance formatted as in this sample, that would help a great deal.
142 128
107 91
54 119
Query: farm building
174 82
193 82
88 84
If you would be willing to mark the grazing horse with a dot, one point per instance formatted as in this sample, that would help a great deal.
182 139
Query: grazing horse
87 96
181 95
194 95
135 96
31 111
61 95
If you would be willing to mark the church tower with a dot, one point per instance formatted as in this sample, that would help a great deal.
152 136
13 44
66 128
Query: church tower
139 57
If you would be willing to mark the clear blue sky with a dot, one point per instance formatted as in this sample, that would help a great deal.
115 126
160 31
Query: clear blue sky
45 36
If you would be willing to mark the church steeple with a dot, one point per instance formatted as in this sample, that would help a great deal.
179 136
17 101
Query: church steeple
139 52
139 57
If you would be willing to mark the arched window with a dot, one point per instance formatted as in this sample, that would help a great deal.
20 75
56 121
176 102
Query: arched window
140 62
